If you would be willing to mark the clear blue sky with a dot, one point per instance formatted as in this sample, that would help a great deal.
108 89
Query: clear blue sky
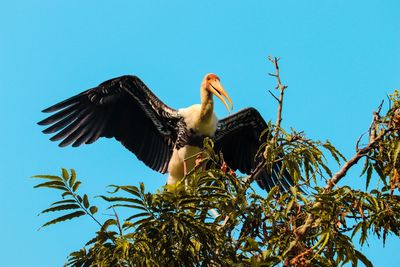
340 58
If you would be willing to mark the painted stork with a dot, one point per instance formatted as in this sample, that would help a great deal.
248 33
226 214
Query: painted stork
162 137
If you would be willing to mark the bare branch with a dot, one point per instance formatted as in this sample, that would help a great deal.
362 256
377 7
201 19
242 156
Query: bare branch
359 140
281 88
380 106
249 179
277 99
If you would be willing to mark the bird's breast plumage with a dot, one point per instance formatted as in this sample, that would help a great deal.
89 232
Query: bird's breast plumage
191 117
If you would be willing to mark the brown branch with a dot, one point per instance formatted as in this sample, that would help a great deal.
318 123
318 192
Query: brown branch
274 96
281 88
302 230
350 163
249 179
359 140
373 140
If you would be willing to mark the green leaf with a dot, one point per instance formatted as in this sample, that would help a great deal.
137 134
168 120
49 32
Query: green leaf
266 132
363 259
272 193
261 148
122 199
107 224
138 215
369 175
65 174
380 171
324 166
85 201
208 144
322 242
73 178
396 153
70 216
127 225
142 221
64 201
366 164
76 186
91 241
334 152
62 207
290 205
66 194
128 206
142 188
374 202
52 184
93 209
49 177
127 188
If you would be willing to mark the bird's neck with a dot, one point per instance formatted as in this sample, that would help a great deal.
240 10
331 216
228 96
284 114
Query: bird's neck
207 105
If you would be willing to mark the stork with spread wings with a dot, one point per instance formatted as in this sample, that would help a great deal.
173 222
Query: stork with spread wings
165 139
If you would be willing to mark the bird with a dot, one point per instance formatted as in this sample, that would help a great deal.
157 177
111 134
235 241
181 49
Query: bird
163 138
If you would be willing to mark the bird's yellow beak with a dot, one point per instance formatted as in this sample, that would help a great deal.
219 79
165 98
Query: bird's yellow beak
218 90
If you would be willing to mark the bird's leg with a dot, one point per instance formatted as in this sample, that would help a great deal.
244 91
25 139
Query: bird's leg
185 172
184 167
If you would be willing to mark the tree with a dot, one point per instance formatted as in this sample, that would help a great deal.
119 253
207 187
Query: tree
215 218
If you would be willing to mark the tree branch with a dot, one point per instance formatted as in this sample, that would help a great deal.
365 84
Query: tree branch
302 230
281 88
373 140
249 179
350 163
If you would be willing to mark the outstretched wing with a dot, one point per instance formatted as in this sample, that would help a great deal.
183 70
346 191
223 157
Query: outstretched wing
237 136
123 108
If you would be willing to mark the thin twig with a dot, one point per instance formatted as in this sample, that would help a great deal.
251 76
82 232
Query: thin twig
75 196
359 140
380 106
274 96
281 88
249 179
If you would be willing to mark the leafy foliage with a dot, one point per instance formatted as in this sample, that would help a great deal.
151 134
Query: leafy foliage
71 201
218 219
303 158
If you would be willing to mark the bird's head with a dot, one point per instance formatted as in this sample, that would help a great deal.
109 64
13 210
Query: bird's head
212 84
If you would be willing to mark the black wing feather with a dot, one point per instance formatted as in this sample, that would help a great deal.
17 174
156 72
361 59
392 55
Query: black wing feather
123 108
237 136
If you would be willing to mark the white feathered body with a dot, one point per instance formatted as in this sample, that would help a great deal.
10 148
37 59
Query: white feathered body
206 127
